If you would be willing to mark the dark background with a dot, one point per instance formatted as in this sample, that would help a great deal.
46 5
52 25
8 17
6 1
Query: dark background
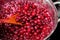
56 34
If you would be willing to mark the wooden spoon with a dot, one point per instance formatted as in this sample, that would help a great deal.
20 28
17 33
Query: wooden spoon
11 19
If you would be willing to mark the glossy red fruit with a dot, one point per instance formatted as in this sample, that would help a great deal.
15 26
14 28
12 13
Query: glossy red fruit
28 20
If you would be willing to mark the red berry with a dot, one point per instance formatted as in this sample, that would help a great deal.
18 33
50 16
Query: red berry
37 22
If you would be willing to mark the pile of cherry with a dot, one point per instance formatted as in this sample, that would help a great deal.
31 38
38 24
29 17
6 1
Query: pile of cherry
37 21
